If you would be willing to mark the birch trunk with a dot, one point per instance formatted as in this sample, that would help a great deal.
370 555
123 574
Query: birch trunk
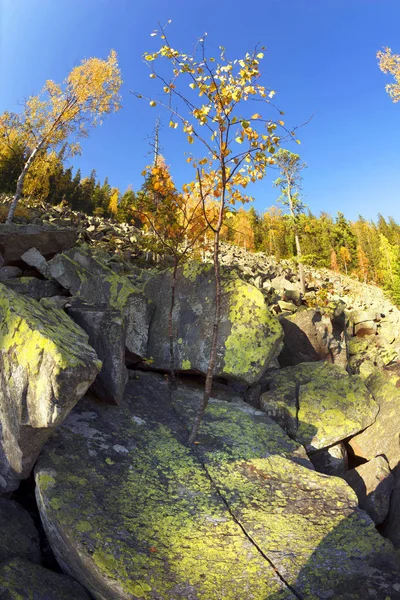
20 184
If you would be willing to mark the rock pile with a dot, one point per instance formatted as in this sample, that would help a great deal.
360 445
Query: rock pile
280 497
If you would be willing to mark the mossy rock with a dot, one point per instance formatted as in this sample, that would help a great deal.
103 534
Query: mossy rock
46 365
250 337
319 404
134 512
22 580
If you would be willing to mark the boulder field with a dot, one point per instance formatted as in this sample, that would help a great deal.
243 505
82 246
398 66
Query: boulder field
292 487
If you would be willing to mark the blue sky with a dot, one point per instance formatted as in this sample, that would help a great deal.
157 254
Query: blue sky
320 58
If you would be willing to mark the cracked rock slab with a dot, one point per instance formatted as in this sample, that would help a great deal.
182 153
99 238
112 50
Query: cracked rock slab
132 512
318 404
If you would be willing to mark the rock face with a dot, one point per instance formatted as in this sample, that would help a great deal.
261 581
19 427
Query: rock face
19 536
318 404
93 282
15 240
373 483
106 329
22 580
46 365
309 337
249 336
132 512
33 287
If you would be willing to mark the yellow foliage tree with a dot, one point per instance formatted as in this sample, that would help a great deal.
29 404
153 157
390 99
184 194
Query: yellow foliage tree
114 200
389 63
62 112
206 97
243 232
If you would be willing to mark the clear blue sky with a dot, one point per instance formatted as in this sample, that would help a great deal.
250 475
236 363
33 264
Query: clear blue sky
320 58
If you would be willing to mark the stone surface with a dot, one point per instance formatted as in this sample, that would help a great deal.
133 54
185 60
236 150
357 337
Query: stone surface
95 283
22 580
382 437
331 461
309 337
15 240
34 287
249 336
318 404
46 365
106 329
373 483
19 536
8 272
235 516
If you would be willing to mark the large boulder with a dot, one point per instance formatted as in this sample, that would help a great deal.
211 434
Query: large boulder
318 404
132 511
94 282
373 483
382 437
19 536
15 240
309 337
249 339
22 580
46 365
34 287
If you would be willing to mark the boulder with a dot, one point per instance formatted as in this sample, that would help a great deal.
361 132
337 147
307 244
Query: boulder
234 516
34 287
309 337
19 536
106 329
373 483
8 272
382 436
318 404
46 365
249 338
22 580
15 240
332 460
95 283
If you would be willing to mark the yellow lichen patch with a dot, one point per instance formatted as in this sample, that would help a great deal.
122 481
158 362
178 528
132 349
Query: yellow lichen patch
255 336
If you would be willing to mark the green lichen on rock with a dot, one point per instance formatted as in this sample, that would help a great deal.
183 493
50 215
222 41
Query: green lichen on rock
249 336
255 336
46 365
159 529
319 404
219 519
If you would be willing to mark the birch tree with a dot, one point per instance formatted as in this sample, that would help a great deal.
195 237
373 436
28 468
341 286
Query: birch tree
61 114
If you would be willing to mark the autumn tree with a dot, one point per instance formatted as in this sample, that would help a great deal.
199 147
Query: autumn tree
289 183
345 257
389 63
206 98
176 223
61 114
334 264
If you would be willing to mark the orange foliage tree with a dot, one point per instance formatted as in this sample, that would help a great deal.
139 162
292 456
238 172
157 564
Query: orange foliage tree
176 221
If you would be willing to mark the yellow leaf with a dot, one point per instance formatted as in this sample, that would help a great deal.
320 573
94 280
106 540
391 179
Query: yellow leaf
190 139
238 140
256 116
281 123
298 142
152 103
192 85
189 159
152 75
260 55
173 124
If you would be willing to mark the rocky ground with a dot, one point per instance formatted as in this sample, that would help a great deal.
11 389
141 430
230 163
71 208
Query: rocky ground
292 489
